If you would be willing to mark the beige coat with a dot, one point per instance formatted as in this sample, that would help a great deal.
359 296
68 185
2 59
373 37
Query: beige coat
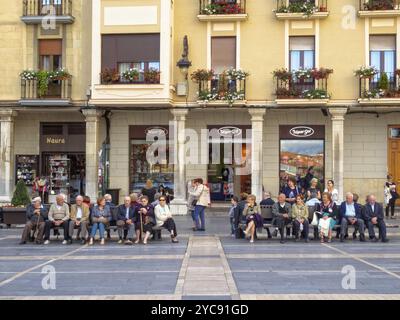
202 194
85 212
59 214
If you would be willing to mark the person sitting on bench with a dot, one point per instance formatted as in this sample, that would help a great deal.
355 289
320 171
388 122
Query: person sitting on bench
79 219
58 217
282 212
164 218
300 218
100 219
125 220
373 215
37 216
351 213
252 212
145 220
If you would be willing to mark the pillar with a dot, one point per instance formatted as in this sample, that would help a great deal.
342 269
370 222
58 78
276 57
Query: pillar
337 116
6 154
179 204
92 151
257 125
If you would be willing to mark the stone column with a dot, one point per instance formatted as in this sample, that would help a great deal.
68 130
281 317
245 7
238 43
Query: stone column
257 126
337 116
6 154
92 151
178 205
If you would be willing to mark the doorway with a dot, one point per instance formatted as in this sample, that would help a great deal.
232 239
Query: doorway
394 155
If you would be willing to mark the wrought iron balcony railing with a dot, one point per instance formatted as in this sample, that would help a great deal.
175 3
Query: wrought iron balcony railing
379 5
380 85
222 7
308 7
35 10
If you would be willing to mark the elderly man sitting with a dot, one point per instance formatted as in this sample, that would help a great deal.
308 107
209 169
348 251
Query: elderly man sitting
374 217
351 213
58 217
126 216
36 216
79 219
282 212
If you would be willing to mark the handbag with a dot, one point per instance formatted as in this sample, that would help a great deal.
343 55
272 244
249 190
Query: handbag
314 221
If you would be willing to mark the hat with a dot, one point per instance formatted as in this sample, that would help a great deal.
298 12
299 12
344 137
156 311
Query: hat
37 199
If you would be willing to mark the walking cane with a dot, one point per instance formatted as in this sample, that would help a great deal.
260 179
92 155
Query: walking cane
141 225
37 227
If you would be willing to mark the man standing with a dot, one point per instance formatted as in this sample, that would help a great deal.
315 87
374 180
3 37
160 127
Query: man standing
351 213
58 217
125 220
373 215
282 212
36 218
79 219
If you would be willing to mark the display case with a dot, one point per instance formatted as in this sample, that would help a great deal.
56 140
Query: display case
59 167
26 168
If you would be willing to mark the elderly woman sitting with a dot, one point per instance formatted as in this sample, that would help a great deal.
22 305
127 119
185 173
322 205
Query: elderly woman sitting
328 213
252 212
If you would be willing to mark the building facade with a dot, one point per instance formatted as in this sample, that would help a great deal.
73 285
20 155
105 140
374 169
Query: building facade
285 80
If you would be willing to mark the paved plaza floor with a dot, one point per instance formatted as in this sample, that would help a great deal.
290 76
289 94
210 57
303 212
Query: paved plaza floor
209 265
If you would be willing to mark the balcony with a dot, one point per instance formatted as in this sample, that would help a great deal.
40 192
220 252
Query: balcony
379 8
301 9
222 10
380 88
225 89
44 88
34 11
308 87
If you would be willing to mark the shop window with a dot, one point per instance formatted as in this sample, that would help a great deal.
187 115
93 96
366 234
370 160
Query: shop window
302 155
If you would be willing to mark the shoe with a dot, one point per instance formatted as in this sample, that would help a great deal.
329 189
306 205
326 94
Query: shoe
39 242
194 229
65 242
91 242
128 242
83 242
102 242
374 239
120 241
175 241
282 241
385 240
341 238
251 241
137 241
329 240
22 242
46 242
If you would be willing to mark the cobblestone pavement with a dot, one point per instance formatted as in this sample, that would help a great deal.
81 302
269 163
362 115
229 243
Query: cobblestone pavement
210 265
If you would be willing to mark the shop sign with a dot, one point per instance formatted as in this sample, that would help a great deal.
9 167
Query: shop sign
302 132
50 140
156 131
229 131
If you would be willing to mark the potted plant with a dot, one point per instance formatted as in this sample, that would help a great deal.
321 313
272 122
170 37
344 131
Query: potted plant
131 75
321 73
202 75
366 72
109 76
379 5
152 76
282 75
16 212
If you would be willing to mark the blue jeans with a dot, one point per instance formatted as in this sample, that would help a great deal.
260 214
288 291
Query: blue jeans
199 215
101 227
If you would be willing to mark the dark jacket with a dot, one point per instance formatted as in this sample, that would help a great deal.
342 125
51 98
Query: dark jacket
357 208
267 202
332 211
121 214
368 214
31 216
150 213
150 193
275 210
239 213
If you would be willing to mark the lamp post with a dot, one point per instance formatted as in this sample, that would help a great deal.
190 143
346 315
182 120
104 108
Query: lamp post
184 64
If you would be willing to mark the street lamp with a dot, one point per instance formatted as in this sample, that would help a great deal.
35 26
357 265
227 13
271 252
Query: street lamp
184 64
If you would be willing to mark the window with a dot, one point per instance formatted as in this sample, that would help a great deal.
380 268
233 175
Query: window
383 53
223 53
125 51
301 53
50 54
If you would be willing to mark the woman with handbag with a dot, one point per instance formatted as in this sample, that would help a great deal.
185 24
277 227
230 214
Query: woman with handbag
164 218
328 214
145 219
252 212
101 216
391 196
300 218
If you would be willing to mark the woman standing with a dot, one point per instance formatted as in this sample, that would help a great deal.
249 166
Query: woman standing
144 220
330 188
300 218
101 216
313 193
328 214
391 196
149 191
164 218
252 212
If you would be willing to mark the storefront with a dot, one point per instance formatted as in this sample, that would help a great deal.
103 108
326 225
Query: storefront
229 156
301 154
161 173
62 159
